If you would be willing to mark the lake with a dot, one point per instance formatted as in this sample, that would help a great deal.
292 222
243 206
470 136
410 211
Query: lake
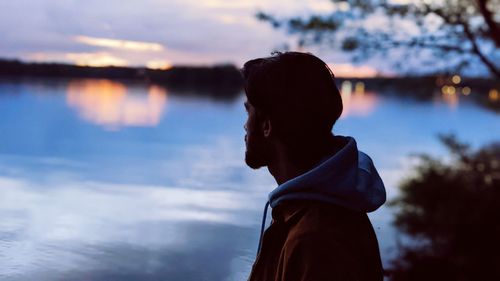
108 180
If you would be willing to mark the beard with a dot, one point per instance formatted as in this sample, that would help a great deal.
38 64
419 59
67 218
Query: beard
257 153
254 160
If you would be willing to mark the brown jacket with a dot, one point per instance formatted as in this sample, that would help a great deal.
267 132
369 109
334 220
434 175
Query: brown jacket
315 241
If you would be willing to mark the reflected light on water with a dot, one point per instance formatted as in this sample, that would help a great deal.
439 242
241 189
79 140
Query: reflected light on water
493 95
346 88
451 100
110 104
359 103
449 96
359 88
448 90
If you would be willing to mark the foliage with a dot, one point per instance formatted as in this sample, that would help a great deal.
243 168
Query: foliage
452 212
456 33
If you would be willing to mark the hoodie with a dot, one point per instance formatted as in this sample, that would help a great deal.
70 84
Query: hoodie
348 178
346 181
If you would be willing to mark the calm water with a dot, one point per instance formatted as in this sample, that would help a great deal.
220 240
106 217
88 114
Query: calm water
103 180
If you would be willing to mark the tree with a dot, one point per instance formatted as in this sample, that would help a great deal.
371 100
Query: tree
457 33
452 213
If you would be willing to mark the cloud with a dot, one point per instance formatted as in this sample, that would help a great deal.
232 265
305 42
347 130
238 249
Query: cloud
145 32
95 59
194 33
349 70
158 64
119 44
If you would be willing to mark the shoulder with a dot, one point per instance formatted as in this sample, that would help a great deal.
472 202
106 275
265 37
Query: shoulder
311 257
319 221
327 239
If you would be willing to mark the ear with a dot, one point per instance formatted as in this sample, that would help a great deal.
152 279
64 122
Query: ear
266 127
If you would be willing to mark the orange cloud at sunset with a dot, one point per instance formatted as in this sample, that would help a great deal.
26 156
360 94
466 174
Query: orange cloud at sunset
95 59
119 44
351 71
158 64
109 104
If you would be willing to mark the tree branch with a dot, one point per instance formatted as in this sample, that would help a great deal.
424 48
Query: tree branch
490 65
493 27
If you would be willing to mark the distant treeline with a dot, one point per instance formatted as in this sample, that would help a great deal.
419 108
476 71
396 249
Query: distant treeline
420 86
217 80
225 81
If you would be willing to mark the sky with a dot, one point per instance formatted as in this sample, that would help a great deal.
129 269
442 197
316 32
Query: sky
152 33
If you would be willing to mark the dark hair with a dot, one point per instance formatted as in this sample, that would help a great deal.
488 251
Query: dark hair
296 91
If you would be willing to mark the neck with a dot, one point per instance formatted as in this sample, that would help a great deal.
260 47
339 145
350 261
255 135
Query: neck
284 166
282 169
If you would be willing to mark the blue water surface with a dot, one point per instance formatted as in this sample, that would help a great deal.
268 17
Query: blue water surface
108 180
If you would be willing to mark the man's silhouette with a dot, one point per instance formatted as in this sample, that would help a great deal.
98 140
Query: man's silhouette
320 230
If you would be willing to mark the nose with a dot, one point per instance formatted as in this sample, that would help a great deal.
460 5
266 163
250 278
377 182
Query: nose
245 127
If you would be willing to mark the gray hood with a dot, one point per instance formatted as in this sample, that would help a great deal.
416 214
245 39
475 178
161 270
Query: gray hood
348 178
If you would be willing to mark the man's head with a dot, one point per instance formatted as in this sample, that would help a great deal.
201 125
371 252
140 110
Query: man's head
292 99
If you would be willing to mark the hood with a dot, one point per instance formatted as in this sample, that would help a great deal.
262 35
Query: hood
348 178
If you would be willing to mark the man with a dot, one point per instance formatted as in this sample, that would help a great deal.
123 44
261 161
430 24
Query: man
320 230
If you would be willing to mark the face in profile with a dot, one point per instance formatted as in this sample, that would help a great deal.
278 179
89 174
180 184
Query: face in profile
256 154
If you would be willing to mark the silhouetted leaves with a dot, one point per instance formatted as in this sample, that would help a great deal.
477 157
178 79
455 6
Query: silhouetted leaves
451 209
315 23
454 32
350 44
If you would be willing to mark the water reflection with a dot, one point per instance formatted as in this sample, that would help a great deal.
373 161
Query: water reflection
99 231
359 103
113 105
493 95
449 96
81 203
